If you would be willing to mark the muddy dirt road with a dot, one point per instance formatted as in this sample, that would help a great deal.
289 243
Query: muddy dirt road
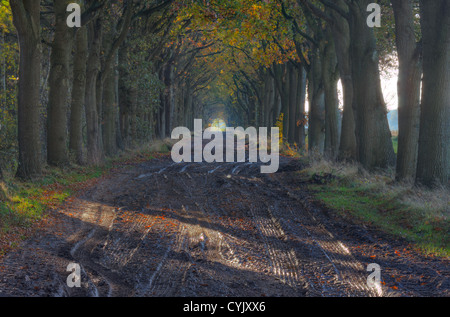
219 229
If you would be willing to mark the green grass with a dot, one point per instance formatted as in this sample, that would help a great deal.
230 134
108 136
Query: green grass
395 143
393 209
22 203
26 202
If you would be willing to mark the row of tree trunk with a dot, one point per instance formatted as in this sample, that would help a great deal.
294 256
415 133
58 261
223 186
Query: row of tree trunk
424 132
90 100
343 48
346 49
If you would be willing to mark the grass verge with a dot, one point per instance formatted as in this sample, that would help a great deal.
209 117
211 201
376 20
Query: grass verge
418 215
23 204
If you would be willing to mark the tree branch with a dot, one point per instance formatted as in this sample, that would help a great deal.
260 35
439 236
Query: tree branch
336 7
315 10
150 11
91 12
125 24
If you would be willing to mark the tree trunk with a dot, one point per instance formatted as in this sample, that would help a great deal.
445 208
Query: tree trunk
78 95
123 94
433 164
293 102
268 100
374 144
99 102
107 99
316 94
133 95
109 114
171 99
277 106
119 139
300 109
330 77
190 123
26 15
94 154
57 153
188 104
341 35
165 99
410 72
168 98
282 83
265 100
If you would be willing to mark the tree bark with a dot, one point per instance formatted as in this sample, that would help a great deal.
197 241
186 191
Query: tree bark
293 102
272 110
330 77
282 83
123 95
433 164
119 139
78 95
109 114
374 144
26 15
188 104
168 100
292 99
410 72
300 109
94 153
316 94
265 107
171 99
341 36
107 100
133 96
57 153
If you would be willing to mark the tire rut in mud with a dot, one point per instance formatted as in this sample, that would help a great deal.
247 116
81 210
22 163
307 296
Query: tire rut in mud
198 229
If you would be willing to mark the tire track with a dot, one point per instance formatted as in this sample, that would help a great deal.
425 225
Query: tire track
166 279
350 274
97 221
201 229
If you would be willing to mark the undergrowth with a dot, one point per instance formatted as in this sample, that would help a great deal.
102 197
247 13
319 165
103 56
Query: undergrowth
23 203
416 214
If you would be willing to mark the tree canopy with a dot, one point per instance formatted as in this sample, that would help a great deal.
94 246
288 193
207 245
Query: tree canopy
134 70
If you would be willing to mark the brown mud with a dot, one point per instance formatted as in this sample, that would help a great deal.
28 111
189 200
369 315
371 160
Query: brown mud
212 229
